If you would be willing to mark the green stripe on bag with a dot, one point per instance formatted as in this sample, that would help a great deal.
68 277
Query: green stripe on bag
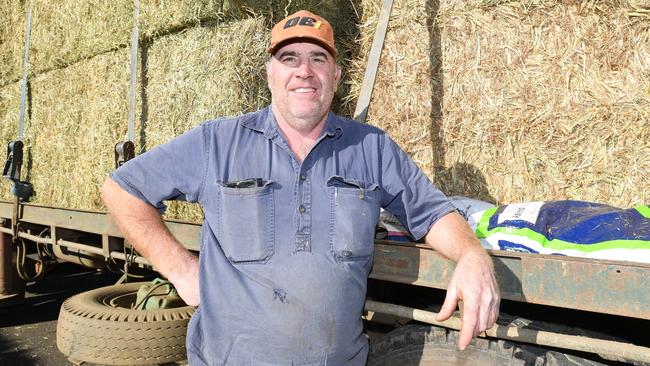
644 210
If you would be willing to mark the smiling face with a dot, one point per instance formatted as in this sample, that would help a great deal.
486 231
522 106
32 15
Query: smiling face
302 77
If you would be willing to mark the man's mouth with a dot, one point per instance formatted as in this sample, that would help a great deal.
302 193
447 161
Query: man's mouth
304 90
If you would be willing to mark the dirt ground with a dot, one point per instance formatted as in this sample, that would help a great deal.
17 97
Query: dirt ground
28 331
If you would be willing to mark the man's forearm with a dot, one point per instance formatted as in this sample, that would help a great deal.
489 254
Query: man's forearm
452 237
473 280
145 229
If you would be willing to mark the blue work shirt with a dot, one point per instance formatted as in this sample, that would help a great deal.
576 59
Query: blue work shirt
286 247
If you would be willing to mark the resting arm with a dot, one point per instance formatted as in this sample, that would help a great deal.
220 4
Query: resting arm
145 229
473 280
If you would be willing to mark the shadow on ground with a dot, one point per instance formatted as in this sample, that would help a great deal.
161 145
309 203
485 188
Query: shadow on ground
28 330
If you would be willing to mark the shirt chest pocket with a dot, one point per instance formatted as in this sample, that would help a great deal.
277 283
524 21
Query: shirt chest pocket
354 213
245 228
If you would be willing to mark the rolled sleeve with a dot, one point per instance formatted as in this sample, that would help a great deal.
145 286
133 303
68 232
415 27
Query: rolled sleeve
171 171
408 194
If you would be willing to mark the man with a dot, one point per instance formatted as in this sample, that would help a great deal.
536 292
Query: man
291 196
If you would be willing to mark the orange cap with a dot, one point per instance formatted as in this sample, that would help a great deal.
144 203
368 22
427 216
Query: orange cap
303 24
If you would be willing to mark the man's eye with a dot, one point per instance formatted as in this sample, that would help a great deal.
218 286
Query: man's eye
289 60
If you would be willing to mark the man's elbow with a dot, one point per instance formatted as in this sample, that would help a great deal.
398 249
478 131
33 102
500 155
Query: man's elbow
110 191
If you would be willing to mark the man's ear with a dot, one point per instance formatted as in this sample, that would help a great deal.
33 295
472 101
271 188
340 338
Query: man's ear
339 72
268 74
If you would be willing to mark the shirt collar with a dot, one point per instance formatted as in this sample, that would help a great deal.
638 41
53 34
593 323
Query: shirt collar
264 122
333 126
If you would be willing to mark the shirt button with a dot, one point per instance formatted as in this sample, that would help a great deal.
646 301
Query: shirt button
347 253
361 195
301 209
302 177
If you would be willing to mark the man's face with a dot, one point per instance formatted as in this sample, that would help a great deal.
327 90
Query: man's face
302 77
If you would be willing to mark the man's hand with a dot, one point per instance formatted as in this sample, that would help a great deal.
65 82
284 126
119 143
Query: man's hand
145 229
473 281
474 284
186 282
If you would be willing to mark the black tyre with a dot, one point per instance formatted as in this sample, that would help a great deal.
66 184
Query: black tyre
99 326
424 345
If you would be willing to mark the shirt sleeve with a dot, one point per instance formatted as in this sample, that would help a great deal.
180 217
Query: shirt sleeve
407 193
171 171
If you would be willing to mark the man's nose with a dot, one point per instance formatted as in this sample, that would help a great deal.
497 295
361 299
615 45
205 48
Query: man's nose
304 69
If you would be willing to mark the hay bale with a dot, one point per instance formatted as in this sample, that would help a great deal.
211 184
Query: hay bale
9 112
203 73
200 74
12 40
540 100
404 98
78 114
65 32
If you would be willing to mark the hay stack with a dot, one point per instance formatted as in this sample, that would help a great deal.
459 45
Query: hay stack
540 100
499 100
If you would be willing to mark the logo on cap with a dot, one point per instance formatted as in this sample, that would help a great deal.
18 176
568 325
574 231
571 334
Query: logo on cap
307 21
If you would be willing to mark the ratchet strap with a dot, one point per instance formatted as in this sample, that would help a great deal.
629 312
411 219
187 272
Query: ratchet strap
125 151
363 103
21 190
12 169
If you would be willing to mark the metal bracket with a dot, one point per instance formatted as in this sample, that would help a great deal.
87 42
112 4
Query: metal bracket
14 160
11 171
124 151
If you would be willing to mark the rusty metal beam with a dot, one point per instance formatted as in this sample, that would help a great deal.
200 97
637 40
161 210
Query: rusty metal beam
603 286
94 222
575 283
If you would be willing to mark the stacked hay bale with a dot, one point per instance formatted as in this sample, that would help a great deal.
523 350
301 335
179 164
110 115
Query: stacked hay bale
198 60
499 100
519 100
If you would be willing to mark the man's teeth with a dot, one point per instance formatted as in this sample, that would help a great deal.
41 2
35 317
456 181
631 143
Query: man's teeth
304 90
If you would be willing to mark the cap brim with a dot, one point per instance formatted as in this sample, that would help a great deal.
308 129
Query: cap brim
283 42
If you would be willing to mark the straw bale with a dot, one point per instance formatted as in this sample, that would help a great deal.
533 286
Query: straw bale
9 111
403 99
65 32
78 114
12 40
200 74
540 100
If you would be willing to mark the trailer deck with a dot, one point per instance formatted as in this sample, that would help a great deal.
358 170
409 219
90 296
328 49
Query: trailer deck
601 286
